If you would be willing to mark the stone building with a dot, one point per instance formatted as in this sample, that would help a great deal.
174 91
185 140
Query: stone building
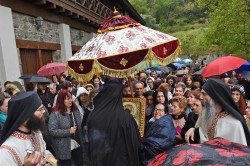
36 32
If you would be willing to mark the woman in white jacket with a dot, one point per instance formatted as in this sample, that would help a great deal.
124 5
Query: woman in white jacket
81 100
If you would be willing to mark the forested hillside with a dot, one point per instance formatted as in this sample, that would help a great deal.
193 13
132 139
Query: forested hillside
203 26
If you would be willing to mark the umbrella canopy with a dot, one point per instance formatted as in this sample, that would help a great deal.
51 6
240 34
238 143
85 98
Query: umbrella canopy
35 78
199 72
244 67
178 65
222 65
187 60
162 68
214 152
122 48
177 60
52 69
26 76
246 75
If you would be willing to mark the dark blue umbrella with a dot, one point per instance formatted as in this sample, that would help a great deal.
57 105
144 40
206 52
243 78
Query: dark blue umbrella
244 67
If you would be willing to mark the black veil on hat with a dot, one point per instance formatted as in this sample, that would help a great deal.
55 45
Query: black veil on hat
20 108
113 134
221 94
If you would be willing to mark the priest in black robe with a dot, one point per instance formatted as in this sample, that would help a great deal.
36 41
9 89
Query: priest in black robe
113 134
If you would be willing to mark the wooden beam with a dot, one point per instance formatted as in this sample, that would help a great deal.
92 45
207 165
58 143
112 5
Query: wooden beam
91 4
97 6
75 47
27 8
40 2
51 6
75 15
37 45
60 9
81 18
68 13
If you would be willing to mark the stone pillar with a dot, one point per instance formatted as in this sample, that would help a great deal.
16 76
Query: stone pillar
65 41
9 64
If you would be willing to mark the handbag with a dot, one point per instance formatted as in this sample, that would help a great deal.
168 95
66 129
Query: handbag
73 143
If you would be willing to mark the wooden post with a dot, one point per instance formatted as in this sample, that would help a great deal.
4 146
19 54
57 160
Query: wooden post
131 87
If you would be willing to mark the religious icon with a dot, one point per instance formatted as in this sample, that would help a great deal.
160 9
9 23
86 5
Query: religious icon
137 108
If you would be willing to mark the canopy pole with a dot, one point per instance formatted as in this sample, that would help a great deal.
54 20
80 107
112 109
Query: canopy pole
131 88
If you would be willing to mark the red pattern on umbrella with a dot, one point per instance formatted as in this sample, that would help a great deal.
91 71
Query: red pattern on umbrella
189 155
52 69
159 160
231 152
219 142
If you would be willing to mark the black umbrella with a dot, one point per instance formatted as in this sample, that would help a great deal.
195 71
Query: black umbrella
217 151
199 72
162 68
35 78
26 76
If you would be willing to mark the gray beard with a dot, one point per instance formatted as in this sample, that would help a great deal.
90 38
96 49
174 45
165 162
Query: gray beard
206 116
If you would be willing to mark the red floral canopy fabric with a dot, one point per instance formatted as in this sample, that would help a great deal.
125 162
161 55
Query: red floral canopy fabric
219 152
122 48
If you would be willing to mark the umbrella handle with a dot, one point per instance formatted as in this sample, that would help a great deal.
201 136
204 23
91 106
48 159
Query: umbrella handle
131 88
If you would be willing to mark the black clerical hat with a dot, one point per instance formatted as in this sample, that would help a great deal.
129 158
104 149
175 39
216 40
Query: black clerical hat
20 108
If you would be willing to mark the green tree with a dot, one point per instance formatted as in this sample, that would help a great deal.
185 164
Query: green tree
150 21
141 6
165 9
229 23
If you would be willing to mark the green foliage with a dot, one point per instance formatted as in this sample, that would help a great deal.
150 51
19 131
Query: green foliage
203 26
229 23
141 6
150 21
193 43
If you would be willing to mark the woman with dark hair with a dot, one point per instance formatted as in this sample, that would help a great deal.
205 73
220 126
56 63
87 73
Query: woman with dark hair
97 83
171 82
188 80
190 99
65 129
166 87
238 93
161 97
150 104
159 134
4 98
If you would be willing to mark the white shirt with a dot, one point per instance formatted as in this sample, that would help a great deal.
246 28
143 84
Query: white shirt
228 128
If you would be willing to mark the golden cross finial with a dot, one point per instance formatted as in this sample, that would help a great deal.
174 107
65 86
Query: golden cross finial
81 67
123 62
165 50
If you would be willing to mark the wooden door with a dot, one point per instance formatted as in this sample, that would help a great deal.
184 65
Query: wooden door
32 60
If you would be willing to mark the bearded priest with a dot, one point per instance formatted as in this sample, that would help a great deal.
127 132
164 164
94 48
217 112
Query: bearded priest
22 142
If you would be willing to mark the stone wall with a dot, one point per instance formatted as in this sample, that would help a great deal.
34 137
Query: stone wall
25 29
79 37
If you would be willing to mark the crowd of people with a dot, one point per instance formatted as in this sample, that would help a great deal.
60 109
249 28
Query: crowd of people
84 122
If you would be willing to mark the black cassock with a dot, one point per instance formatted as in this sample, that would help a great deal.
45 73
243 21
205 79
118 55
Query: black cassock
113 134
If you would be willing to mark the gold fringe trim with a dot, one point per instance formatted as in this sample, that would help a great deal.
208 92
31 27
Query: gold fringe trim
98 68
81 77
117 27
